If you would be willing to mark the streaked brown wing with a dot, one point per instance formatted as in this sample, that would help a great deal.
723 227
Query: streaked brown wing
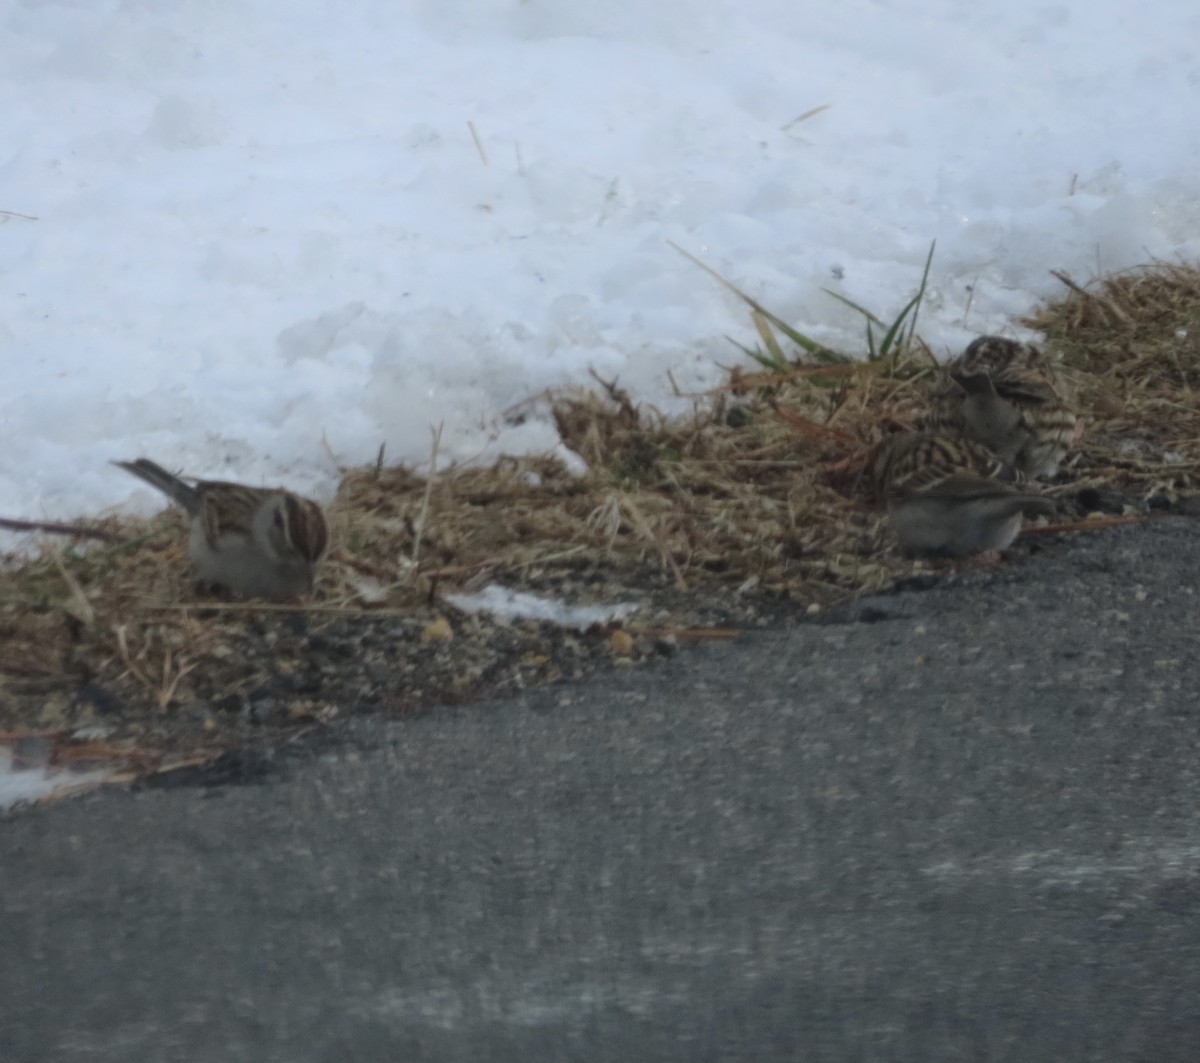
227 506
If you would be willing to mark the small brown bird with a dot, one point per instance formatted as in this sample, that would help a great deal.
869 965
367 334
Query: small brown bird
259 542
947 496
1007 396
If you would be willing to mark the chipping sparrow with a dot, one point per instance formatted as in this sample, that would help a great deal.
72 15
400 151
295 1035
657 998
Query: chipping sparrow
1007 396
944 495
259 542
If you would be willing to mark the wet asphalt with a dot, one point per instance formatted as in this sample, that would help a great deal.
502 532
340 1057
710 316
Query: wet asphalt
952 824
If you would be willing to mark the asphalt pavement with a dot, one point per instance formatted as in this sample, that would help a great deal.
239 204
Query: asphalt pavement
953 824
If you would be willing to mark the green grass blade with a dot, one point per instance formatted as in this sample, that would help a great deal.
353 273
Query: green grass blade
912 328
855 306
818 350
763 326
889 337
761 357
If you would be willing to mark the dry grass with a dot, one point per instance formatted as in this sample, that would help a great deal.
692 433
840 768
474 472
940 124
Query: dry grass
757 491
757 488
1134 340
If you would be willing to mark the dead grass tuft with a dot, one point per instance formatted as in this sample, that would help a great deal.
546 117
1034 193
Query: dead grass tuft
755 488
1133 340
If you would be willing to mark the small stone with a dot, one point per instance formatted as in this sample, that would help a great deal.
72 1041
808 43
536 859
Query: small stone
621 643
438 631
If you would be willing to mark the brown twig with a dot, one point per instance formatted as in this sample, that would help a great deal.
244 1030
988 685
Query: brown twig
269 607
643 525
1094 524
687 634
77 604
53 527
1115 313
809 428
478 143
423 517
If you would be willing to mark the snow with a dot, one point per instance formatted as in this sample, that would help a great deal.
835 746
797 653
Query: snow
506 604
254 240
21 784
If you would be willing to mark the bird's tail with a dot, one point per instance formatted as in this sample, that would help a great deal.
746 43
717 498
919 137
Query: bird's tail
168 483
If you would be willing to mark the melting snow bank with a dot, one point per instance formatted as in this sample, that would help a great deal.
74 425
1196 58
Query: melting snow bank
506 604
240 238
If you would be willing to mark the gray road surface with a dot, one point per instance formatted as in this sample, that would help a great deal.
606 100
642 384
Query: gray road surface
964 825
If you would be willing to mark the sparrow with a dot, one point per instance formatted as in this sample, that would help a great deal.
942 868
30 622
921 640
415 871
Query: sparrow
948 496
259 542
1007 396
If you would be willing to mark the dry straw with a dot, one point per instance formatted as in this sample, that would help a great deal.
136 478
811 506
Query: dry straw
758 490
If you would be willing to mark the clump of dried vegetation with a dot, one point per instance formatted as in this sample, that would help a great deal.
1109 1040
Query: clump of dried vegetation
752 503
1133 339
